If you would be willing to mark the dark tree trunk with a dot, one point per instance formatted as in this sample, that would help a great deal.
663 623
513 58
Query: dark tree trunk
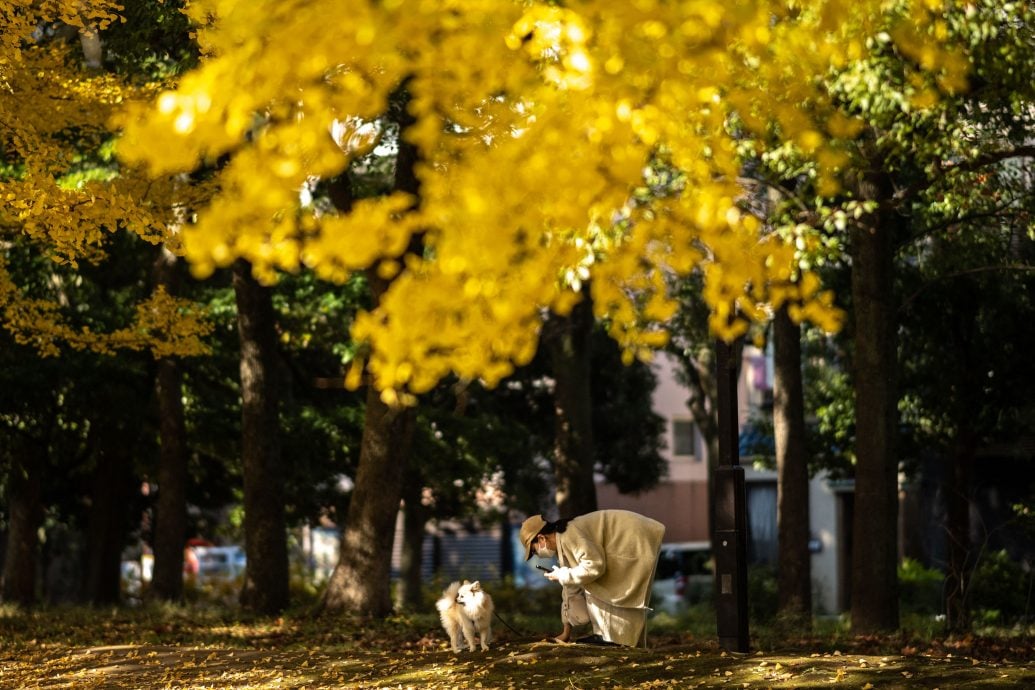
794 583
875 530
408 594
568 340
359 583
266 573
25 516
111 490
170 532
957 489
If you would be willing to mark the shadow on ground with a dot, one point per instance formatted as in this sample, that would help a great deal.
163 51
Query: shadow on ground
509 665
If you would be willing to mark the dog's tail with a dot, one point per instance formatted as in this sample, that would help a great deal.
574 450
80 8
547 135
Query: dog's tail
448 598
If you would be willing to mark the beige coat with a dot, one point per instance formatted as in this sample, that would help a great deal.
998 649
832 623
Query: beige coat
611 554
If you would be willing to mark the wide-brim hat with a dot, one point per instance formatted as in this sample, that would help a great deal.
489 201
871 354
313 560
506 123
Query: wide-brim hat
529 529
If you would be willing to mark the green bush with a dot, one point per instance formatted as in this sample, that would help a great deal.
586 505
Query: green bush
763 597
999 589
920 588
697 620
541 601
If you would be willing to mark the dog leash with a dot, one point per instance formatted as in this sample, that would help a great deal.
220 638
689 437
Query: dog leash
505 623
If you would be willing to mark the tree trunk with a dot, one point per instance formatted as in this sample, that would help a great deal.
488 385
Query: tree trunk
93 50
265 532
957 489
409 595
359 583
795 578
569 340
106 523
171 510
875 530
25 516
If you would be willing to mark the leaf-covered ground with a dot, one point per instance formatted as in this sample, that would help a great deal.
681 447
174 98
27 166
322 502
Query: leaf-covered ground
182 648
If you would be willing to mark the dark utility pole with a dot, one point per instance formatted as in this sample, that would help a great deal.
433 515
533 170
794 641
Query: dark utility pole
731 603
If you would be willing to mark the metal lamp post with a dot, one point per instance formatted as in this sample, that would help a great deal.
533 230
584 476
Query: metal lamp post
730 541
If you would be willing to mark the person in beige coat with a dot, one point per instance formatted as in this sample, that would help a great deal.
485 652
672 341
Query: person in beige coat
606 562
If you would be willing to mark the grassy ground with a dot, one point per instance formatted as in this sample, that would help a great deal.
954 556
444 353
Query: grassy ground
164 647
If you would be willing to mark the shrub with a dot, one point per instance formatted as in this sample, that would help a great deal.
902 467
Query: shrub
763 597
920 588
999 589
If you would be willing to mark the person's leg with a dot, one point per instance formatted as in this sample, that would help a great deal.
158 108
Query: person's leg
573 611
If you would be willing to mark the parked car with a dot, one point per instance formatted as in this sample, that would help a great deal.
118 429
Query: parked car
685 575
131 577
219 562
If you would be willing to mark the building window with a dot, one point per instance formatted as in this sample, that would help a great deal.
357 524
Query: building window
761 514
683 438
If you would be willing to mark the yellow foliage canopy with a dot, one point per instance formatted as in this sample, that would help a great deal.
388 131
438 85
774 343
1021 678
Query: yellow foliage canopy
535 123
51 113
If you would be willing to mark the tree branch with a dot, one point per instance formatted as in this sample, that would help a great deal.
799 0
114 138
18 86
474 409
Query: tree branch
981 161
956 274
997 212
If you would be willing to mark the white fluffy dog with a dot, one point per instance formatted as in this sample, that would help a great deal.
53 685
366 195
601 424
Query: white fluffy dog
465 606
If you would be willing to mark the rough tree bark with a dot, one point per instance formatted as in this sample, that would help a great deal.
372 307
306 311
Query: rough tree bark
967 396
794 580
24 518
875 529
266 573
568 340
957 489
170 531
359 583
111 489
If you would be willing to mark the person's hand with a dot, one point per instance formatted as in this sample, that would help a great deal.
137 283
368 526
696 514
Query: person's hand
551 574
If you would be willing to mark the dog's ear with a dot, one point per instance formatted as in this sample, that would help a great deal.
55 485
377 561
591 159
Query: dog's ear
476 586
466 583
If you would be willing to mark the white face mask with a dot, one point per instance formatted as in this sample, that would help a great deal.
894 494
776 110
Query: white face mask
545 552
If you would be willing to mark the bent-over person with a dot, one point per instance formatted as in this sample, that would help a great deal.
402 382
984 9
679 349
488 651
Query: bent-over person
606 562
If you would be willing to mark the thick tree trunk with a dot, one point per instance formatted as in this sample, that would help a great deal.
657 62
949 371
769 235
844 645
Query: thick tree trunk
266 573
359 583
569 340
794 581
107 522
875 530
957 490
25 516
170 531
409 596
